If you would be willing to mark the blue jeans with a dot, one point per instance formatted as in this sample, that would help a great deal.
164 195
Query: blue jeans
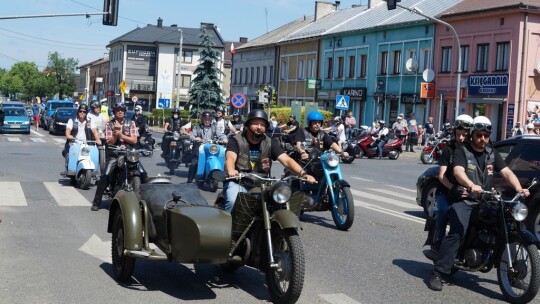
442 217
230 191
380 147
348 132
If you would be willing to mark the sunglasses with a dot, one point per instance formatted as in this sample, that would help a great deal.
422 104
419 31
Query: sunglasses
137 110
462 124
482 127
477 135
82 112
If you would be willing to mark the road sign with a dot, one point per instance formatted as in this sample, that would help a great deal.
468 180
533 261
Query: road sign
238 100
342 102
134 99
163 103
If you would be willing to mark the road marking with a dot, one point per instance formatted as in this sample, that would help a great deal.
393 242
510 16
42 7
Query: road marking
66 195
362 179
36 133
13 139
59 140
37 139
404 189
411 198
12 194
392 213
97 248
338 298
386 200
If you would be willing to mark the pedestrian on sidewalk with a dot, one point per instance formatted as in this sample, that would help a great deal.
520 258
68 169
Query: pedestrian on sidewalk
413 133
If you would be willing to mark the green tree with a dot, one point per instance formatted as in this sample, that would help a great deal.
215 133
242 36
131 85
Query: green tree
11 85
63 72
27 72
205 92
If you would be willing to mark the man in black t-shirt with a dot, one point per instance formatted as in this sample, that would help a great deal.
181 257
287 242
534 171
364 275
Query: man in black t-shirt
292 128
474 165
253 151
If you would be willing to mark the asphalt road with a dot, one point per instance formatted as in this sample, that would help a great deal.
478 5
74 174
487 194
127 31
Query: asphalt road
53 249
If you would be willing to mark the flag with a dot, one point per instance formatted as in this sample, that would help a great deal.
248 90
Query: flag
233 51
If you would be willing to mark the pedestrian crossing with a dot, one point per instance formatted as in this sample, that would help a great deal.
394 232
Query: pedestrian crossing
34 137
64 196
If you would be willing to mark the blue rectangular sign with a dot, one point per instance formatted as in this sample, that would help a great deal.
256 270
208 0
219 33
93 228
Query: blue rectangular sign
164 103
488 85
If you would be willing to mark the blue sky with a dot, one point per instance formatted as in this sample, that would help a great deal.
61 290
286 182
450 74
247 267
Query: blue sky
31 39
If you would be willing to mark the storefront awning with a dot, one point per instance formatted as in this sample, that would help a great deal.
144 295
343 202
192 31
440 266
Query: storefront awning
485 100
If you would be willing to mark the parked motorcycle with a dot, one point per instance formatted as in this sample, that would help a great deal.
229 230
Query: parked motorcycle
497 237
178 150
211 159
392 149
433 149
81 163
332 193
129 170
261 232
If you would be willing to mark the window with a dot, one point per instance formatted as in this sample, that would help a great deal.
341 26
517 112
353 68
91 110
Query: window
240 74
411 53
186 81
311 68
246 71
258 75
187 56
363 66
397 62
235 76
464 58
482 58
300 69
252 78
384 63
264 75
352 64
284 70
271 77
526 159
446 62
329 67
425 60
503 49
340 67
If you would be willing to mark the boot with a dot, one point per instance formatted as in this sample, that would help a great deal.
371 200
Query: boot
95 206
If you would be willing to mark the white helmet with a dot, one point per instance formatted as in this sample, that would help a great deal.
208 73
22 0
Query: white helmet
481 123
138 108
465 118
464 121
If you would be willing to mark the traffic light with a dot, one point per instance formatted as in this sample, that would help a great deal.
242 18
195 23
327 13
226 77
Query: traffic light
110 7
391 4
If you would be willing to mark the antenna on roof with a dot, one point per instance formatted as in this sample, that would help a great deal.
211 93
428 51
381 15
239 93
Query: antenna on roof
266 17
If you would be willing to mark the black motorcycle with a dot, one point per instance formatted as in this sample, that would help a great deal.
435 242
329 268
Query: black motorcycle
177 151
129 170
146 144
497 238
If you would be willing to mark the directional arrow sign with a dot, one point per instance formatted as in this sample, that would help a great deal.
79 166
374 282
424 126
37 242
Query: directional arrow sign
97 248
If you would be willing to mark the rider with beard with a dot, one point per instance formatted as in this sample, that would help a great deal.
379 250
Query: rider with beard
118 132
172 125
253 151
205 131
314 137
462 125
474 164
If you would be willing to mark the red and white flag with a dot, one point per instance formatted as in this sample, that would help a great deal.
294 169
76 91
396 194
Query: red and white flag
233 51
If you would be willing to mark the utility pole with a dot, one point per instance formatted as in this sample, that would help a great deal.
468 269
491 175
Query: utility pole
179 68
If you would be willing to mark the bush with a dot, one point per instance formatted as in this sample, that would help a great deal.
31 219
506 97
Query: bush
282 115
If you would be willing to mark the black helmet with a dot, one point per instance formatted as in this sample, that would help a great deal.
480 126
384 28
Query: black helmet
236 114
120 106
206 115
220 109
175 111
257 113
96 104
83 107
292 116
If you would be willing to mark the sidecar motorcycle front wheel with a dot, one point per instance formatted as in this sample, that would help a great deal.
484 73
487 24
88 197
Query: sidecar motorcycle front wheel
123 266
285 282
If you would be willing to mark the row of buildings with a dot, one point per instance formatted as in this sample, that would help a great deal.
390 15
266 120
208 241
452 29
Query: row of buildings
406 60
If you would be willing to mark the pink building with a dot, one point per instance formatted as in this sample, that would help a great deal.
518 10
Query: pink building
500 62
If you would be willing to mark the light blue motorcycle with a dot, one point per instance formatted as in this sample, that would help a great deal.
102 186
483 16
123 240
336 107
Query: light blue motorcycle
81 163
332 192
211 159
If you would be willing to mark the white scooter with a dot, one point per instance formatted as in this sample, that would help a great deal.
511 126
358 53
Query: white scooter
81 163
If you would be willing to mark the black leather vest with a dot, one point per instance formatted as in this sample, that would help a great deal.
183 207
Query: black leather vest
263 164
480 176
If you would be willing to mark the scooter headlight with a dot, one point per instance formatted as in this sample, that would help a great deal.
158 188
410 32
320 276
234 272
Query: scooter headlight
213 149
281 192
85 151
176 135
132 156
332 160
520 212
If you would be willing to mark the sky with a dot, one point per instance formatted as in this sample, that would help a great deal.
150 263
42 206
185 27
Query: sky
32 39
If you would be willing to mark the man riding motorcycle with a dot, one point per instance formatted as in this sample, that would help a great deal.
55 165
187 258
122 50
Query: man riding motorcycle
253 151
474 164
80 128
139 120
236 125
118 132
172 124
382 137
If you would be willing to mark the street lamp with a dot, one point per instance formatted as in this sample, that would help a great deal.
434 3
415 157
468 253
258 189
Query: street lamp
179 68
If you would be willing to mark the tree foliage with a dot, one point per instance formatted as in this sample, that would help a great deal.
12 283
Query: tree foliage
62 72
205 92
24 81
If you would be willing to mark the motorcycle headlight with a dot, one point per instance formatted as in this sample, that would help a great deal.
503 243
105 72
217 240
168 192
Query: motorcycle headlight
176 135
213 149
132 156
520 212
281 192
332 160
85 151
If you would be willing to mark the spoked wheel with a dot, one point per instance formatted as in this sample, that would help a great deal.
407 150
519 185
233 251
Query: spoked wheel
285 282
85 178
519 284
426 157
343 212
123 266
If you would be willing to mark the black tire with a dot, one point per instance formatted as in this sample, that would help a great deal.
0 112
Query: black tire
285 282
428 196
349 159
394 154
123 266
343 215
426 157
213 185
357 151
85 179
533 221
526 274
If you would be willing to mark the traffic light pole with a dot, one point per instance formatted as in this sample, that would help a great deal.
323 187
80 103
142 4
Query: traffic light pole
53 15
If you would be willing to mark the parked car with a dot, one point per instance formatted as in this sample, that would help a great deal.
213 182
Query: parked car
15 120
50 107
59 120
13 103
521 153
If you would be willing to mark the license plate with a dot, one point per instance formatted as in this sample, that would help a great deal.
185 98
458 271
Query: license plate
173 143
15 126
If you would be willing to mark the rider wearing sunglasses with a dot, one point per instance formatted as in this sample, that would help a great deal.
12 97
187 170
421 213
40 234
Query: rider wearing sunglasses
474 165
80 128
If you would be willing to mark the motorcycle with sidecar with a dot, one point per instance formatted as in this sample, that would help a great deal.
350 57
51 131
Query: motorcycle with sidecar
260 232
81 163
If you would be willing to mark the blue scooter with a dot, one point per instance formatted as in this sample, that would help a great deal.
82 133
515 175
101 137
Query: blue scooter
211 159
332 192
81 163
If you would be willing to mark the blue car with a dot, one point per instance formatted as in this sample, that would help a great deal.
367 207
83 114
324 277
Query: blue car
16 120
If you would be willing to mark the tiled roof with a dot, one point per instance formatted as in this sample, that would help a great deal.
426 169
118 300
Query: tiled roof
468 7
274 36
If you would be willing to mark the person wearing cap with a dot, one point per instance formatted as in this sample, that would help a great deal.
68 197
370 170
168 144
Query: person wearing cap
517 130
530 128
118 132
413 135
400 128
253 151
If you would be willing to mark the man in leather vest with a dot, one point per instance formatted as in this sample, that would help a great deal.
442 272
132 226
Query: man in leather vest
118 132
80 128
474 165
253 151
173 124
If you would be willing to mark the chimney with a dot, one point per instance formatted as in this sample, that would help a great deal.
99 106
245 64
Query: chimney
324 8
160 22
243 39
